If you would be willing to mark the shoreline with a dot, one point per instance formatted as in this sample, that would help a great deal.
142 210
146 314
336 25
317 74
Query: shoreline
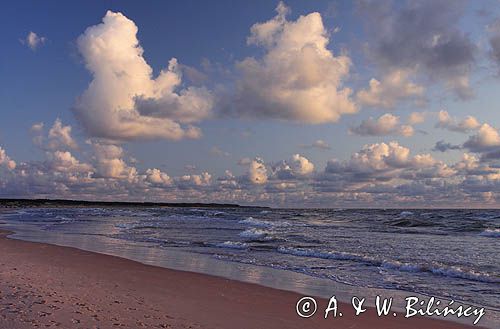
55 286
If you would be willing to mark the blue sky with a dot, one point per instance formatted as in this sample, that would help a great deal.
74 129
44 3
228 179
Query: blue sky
274 101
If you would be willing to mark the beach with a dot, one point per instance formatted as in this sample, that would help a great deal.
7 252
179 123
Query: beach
43 285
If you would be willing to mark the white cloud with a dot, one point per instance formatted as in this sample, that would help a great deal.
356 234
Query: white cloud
394 88
387 124
60 136
380 157
417 117
123 101
157 177
6 161
381 168
297 167
109 162
486 139
64 161
379 174
452 124
298 78
257 172
37 127
204 179
301 165
33 40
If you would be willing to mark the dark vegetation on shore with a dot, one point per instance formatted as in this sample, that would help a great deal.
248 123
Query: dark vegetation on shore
36 203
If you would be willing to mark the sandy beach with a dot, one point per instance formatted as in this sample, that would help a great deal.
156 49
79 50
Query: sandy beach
44 286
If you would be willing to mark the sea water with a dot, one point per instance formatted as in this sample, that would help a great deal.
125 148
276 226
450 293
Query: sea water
453 254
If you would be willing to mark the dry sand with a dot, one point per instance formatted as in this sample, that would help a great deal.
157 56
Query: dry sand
44 286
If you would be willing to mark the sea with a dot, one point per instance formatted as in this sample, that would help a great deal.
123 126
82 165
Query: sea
448 254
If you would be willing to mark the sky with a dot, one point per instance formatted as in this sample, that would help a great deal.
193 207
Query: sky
284 104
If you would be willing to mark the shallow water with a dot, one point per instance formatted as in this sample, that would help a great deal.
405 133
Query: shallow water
444 253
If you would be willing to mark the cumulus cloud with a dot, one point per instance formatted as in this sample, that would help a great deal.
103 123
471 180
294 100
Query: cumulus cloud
422 36
33 40
382 168
417 117
109 162
394 88
257 172
387 124
58 137
318 144
64 161
382 174
298 166
452 124
157 177
123 100
6 161
297 79
486 139
301 165
373 158
204 179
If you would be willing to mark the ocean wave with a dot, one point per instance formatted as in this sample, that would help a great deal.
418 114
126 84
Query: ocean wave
448 271
405 213
404 221
254 233
255 222
442 270
218 213
129 226
232 245
263 223
458 272
325 254
491 233
401 266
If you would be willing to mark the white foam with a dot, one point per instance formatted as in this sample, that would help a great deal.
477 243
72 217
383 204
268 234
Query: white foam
254 233
458 272
405 213
256 222
232 245
491 233
325 254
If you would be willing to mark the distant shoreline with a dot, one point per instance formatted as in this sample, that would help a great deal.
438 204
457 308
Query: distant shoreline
54 203
37 203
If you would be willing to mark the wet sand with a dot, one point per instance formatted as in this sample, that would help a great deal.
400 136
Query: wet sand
47 286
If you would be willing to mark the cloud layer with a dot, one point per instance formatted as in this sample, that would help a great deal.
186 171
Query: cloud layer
295 75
